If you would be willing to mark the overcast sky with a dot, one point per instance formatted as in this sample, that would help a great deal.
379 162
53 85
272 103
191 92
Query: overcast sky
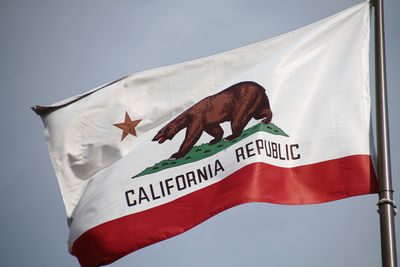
51 50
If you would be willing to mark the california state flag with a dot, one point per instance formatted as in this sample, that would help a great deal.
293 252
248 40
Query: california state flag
151 155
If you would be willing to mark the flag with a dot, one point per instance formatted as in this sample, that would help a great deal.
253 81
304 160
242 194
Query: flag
151 155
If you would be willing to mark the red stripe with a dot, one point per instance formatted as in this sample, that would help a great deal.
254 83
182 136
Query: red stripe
257 182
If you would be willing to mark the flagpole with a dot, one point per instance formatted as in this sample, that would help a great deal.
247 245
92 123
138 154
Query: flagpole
386 203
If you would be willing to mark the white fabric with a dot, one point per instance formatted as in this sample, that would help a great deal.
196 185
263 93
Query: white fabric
316 79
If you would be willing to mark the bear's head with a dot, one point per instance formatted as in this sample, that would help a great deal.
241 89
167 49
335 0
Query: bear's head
166 133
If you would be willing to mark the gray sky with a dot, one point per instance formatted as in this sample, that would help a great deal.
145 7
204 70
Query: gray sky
51 50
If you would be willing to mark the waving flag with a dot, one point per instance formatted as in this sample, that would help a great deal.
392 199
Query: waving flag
151 155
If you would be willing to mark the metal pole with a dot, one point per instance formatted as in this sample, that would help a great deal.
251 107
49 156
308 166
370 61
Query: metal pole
386 203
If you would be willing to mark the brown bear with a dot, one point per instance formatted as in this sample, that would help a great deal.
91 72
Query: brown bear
237 104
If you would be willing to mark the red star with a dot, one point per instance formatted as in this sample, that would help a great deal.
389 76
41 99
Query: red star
128 126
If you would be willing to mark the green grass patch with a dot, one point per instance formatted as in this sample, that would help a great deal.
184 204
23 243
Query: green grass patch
205 150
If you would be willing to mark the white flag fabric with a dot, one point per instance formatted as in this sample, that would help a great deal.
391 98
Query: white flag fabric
149 156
